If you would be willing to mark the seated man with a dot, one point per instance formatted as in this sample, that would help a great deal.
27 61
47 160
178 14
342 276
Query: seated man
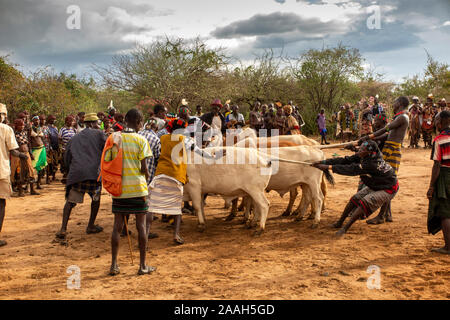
379 178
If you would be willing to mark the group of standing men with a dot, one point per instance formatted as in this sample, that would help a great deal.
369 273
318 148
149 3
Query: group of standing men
422 120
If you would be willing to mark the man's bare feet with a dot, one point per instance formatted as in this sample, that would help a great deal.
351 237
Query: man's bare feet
376 220
146 270
94 229
441 250
114 270
61 235
340 233
336 225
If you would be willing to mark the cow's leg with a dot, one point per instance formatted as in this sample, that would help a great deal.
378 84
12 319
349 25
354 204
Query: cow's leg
197 203
227 204
261 210
233 212
317 199
324 189
248 210
304 203
292 196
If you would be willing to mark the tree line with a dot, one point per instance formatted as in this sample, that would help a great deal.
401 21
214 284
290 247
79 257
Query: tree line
169 70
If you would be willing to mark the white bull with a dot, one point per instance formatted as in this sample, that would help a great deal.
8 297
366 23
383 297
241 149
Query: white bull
291 175
247 177
282 141
296 139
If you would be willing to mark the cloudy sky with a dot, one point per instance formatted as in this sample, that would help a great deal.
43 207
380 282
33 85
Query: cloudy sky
34 32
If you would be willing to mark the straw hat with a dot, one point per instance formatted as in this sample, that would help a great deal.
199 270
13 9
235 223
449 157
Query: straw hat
90 117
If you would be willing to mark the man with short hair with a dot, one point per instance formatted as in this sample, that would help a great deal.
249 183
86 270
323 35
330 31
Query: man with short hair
133 199
160 113
82 159
39 153
235 120
8 145
395 132
80 121
256 119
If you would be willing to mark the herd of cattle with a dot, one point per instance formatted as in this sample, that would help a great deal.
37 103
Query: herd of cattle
277 163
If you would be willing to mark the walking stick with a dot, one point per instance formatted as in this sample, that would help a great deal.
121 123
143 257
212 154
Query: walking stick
128 236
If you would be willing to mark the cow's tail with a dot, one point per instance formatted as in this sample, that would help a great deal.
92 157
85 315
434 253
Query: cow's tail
329 177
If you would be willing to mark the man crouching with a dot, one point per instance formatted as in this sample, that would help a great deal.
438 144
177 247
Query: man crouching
379 178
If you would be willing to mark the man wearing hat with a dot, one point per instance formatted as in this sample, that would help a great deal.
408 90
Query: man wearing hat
8 145
215 119
82 158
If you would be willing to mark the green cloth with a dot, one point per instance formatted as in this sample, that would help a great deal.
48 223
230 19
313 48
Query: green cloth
40 158
439 206
102 126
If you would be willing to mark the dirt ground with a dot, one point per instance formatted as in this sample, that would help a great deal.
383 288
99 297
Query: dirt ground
289 261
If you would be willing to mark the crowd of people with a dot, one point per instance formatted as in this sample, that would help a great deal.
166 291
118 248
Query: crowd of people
353 122
135 160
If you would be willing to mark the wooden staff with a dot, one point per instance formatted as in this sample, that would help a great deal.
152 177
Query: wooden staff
331 146
128 236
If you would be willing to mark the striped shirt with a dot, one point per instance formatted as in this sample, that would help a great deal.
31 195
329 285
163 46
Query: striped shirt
155 147
65 134
135 148
162 132
441 148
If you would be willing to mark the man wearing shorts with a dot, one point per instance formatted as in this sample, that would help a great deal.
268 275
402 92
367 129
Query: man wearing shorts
82 158
378 176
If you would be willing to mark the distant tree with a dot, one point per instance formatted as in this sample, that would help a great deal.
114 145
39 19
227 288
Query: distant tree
168 70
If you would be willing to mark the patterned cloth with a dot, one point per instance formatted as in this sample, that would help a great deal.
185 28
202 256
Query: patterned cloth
370 200
46 138
439 206
166 195
136 205
22 170
21 137
392 154
135 148
65 134
162 132
155 147
92 187
40 158
441 148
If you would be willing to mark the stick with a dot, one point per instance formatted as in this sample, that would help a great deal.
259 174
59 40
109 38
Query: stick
331 146
128 236
291 161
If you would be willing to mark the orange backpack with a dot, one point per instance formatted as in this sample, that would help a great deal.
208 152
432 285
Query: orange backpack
111 171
